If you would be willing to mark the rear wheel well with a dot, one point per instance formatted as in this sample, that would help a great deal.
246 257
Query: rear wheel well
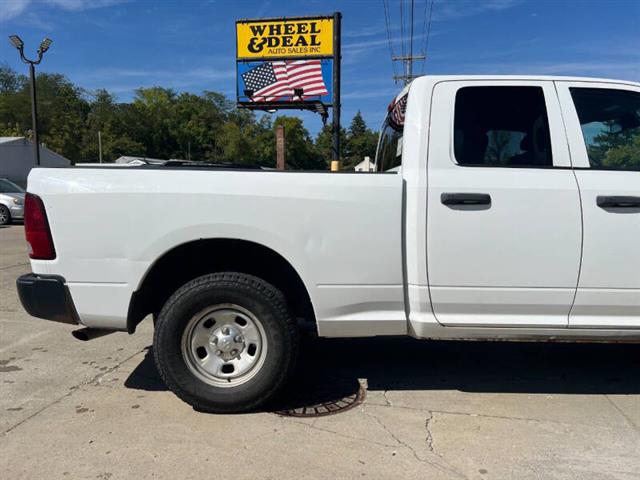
200 257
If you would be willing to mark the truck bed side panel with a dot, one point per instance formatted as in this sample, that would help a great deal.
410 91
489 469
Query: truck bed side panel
341 232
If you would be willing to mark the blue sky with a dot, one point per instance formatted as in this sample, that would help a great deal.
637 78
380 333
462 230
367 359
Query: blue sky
189 45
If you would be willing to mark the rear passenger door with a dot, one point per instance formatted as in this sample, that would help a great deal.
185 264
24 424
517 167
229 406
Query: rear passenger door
603 127
503 215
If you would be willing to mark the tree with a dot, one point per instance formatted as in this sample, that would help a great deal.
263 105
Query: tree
615 148
360 142
162 123
324 143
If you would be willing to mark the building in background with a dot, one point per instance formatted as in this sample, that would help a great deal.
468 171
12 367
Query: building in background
134 161
365 165
16 159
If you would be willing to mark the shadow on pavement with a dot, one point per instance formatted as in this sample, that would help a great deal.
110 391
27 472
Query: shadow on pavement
329 369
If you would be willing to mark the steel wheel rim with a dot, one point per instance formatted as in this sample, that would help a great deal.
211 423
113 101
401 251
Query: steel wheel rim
4 216
224 345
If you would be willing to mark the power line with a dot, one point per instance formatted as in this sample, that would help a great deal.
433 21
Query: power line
426 40
410 62
423 30
387 20
402 50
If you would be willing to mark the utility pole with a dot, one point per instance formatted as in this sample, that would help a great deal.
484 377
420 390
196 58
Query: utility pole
407 60
280 159
100 145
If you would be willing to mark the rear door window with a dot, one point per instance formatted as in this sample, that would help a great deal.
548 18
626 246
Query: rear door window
502 127
610 123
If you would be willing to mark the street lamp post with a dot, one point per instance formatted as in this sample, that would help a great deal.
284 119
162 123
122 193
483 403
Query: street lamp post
44 46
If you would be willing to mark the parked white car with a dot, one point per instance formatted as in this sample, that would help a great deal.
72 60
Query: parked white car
506 208
11 202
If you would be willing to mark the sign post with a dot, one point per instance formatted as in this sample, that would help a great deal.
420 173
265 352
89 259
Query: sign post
337 56
291 63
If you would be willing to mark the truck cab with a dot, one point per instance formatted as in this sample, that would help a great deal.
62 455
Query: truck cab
529 188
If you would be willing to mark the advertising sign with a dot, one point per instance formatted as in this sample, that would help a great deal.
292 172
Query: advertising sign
284 38
291 63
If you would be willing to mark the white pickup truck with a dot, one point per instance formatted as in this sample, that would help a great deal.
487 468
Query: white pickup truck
504 208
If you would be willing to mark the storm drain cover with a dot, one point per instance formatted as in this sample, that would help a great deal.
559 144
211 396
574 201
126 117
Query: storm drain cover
320 400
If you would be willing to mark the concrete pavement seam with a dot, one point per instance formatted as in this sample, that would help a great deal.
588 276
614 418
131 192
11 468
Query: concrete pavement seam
624 415
481 415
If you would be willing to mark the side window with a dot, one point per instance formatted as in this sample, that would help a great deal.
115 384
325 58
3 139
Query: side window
502 127
610 122
389 154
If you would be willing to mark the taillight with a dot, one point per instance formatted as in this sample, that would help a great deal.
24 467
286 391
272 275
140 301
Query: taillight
36 228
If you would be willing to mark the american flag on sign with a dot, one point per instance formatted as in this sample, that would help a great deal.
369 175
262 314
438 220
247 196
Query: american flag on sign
307 75
272 81
268 82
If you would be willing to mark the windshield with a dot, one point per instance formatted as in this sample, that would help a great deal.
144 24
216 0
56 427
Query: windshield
9 187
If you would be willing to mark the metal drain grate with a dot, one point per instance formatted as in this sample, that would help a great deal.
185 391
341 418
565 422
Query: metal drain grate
324 401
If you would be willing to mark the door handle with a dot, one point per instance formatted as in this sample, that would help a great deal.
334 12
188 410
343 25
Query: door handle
465 199
605 201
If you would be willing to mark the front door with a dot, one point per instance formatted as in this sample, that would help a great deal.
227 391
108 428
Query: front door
503 223
603 125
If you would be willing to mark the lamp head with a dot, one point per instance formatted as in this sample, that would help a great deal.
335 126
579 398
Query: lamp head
16 41
44 45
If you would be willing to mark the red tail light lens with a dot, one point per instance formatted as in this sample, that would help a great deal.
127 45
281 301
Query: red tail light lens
36 228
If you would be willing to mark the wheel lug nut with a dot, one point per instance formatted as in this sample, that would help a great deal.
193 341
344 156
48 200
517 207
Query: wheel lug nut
238 339
225 330
214 340
234 352
219 352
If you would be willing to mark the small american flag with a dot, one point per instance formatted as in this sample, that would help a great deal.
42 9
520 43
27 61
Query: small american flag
272 81
397 110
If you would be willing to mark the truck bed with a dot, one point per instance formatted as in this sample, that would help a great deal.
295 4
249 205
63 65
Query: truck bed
340 232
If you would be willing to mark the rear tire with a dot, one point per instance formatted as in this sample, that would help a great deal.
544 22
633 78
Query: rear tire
225 342
5 215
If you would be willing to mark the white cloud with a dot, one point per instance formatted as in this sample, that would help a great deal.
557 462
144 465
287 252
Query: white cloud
612 69
14 8
388 92
125 81
466 8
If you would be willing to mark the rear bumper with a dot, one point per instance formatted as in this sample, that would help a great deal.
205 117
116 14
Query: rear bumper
47 297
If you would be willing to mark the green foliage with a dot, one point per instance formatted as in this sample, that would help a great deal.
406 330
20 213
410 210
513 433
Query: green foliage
360 142
614 147
161 123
